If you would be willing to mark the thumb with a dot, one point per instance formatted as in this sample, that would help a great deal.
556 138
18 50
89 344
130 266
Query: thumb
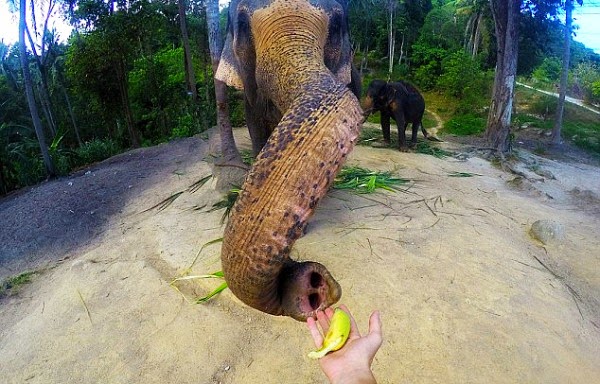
375 334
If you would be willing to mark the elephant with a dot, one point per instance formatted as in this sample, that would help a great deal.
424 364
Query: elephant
401 101
293 61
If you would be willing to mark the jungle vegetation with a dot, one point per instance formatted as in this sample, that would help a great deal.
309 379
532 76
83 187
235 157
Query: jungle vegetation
139 72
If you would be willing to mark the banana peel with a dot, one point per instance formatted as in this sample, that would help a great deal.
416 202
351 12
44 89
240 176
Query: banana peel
337 335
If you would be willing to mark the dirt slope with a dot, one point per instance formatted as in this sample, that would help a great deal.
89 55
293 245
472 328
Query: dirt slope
466 295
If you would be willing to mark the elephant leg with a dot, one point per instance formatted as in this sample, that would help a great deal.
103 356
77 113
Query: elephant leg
401 123
258 127
230 153
415 131
385 126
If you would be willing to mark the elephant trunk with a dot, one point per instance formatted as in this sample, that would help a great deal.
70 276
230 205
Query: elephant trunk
368 105
292 173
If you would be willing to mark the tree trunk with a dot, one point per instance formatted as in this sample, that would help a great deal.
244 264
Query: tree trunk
71 114
43 92
401 51
190 76
133 133
477 38
35 117
506 20
564 74
391 41
228 148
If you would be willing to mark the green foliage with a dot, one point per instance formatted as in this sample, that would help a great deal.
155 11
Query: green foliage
543 105
14 283
237 114
426 148
186 127
429 65
596 89
463 78
96 150
361 180
20 157
579 125
160 103
548 72
463 125
587 76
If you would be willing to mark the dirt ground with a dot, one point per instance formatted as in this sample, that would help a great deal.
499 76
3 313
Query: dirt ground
466 295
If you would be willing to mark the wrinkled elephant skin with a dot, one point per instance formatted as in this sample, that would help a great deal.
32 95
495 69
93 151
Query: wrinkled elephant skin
292 58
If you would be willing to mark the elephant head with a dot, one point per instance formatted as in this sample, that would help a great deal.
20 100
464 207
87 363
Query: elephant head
379 96
292 58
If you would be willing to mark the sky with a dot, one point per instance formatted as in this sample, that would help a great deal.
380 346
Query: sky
587 17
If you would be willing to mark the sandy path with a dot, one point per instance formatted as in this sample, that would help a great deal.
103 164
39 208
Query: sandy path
450 264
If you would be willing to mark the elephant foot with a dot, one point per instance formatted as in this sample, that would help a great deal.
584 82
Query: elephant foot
234 162
380 144
228 175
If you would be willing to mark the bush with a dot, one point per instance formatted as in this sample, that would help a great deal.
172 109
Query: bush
587 75
463 78
548 72
543 105
463 125
96 150
186 127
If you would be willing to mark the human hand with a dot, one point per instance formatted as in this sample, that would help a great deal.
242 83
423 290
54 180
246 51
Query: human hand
352 363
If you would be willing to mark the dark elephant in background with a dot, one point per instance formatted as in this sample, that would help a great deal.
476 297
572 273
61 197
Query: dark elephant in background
293 60
400 101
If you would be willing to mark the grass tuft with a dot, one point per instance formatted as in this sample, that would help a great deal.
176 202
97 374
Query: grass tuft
462 174
247 157
213 293
198 184
361 180
369 135
425 148
226 203
12 284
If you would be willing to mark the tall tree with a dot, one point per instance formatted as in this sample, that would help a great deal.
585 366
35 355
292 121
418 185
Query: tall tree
506 22
215 42
475 11
190 76
44 60
35 117
391 8
564 74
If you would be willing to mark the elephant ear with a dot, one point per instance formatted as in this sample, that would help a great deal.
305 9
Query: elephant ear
338 54
390 93
228 70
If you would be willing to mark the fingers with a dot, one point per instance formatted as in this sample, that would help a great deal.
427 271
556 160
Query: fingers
314 332
324 318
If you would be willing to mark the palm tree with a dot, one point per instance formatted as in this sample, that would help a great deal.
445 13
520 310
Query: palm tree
35 117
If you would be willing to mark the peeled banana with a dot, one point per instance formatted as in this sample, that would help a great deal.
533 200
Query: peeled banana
339 330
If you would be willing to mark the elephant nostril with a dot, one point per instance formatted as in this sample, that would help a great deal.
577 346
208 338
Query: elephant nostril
316 280
314 300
